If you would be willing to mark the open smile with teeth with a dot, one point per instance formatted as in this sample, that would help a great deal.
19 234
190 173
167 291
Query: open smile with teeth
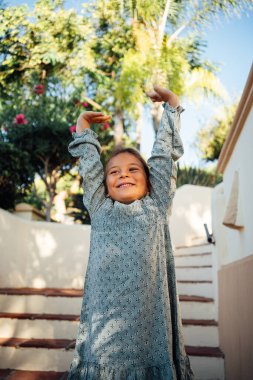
124 185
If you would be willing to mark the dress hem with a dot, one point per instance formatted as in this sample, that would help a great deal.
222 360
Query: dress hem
95 371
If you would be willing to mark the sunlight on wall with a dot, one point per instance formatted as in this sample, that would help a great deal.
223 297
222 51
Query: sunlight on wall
191 209
45 243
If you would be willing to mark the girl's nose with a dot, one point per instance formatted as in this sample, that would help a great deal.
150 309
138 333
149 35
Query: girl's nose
123 174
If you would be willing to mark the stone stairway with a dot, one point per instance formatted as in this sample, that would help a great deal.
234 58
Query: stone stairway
194 270
38 326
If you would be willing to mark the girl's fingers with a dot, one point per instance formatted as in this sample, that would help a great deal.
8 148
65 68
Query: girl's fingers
90 115
167 96
161 91
95 115
100 119
154 96
151 94
156 99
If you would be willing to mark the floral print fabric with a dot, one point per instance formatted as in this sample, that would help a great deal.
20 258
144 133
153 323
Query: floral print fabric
130 325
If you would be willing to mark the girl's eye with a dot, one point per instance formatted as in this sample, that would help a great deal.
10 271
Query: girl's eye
133 169
114 172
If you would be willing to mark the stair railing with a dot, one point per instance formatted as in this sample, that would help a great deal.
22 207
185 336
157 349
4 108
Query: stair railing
209 236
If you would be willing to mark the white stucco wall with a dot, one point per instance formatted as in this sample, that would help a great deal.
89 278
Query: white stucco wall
40 254
238 243
191 209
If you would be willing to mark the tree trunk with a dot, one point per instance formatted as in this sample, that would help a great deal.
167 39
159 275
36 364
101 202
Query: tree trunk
50 180
49 206
163 23
118 128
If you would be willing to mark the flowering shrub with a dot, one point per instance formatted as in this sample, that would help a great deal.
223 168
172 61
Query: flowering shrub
105 126
20 119
78 103
38 89
72 128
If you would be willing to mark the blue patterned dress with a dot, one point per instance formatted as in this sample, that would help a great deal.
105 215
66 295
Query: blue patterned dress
130 325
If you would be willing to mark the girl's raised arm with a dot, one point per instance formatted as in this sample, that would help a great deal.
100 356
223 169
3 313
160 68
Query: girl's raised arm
167 149
86 146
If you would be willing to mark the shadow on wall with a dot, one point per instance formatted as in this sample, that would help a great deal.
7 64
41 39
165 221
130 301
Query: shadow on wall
191 209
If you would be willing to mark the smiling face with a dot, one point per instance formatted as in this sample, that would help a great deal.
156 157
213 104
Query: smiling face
126 179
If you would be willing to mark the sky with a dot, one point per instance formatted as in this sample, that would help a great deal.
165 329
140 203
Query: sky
229 44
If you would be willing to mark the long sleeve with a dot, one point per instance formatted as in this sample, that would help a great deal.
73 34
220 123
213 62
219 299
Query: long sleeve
167 149
86 146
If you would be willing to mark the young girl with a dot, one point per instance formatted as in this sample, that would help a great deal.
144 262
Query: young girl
130 325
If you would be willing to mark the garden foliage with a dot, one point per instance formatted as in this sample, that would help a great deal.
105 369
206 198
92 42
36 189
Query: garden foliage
56 62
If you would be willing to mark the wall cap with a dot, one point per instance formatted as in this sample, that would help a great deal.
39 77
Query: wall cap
241 115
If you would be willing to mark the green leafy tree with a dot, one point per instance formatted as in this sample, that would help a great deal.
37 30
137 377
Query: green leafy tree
106 57
16 174
211 138
197 176
43 59
48 40
37 122
155 50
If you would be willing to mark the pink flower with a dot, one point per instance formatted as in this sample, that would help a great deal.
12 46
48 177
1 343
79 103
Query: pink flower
72 128
38 89
105 126
85 104
20 119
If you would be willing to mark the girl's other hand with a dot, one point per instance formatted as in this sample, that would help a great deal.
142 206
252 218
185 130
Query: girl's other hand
160 94
89 117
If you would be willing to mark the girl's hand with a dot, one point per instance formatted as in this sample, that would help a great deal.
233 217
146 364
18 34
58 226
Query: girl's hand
89 117
160 94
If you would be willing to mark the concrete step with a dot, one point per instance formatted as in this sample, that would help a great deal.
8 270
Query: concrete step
27 328
56 355
193 249
194 259
194 273
193 335
203 368
201 336
12 374
37 301
15 301
30 356
194 308
207 368
30 326
196 288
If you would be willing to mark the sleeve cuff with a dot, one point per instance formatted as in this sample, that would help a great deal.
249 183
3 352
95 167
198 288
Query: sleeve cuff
179 109
86 132
80 140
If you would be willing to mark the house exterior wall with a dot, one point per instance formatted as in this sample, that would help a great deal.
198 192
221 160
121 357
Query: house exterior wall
235 318
240 242
234 244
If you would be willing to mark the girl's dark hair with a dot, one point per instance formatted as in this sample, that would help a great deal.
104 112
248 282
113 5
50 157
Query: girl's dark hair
135 153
